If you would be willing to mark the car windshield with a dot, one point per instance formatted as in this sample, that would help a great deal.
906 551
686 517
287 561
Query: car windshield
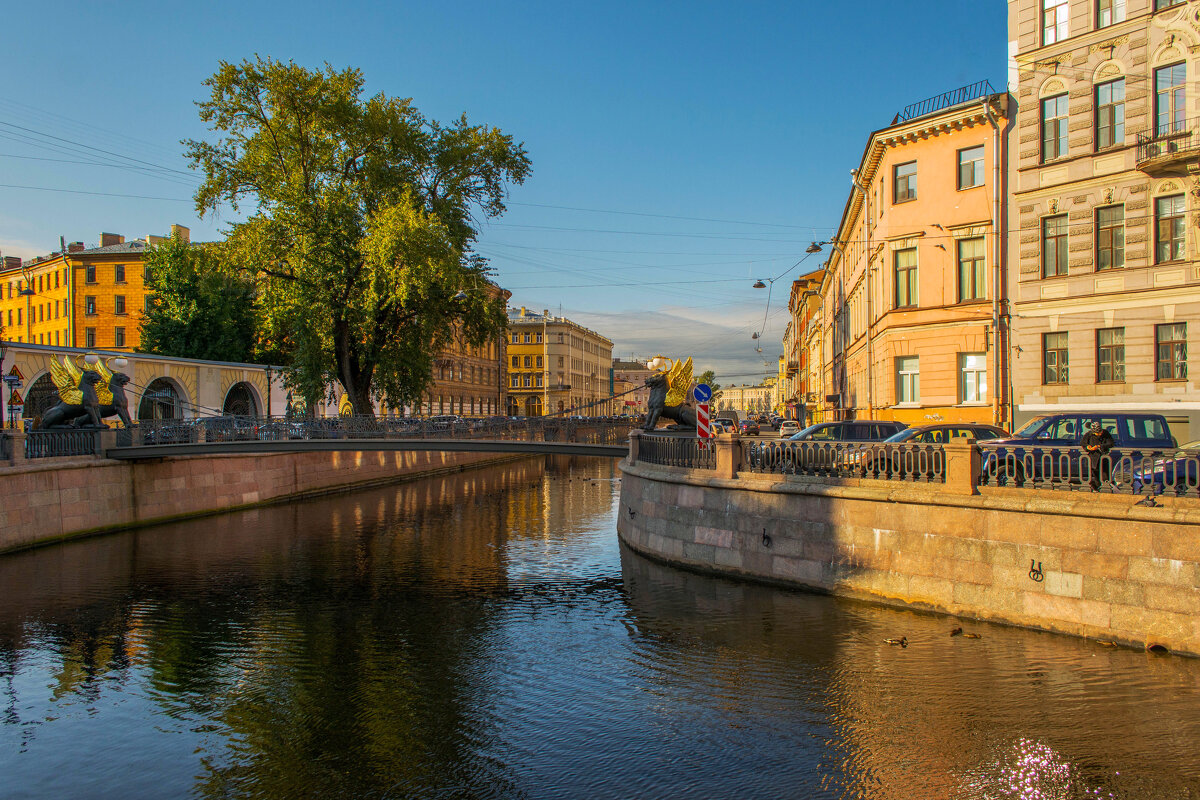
902 436
1031 427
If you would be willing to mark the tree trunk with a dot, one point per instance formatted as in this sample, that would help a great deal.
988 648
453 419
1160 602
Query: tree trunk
354 375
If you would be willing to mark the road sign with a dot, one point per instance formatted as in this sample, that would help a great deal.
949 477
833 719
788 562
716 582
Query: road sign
13 381
14 399
14 373
702 393
703 426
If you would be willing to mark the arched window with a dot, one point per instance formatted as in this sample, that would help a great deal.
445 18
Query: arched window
240 401
160 401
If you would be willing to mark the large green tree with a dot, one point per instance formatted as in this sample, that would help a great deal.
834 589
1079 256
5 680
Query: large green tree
199 306
361 221
709 377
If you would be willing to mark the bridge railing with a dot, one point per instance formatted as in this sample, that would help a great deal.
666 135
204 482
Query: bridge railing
1174 473
238 428
60 443
922 463
676 451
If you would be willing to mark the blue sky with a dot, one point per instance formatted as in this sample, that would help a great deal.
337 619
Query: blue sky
680 150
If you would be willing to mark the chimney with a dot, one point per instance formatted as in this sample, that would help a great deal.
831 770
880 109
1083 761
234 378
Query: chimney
75 247
12 262
107 239
522 311
178 231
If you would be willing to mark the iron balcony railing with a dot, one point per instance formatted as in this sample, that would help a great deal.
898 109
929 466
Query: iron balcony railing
1173 473
676 451
922 463
1169 142
954 97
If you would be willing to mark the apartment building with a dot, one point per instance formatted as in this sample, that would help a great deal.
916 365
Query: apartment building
1105 206
556 366
629 386
89 297
908 321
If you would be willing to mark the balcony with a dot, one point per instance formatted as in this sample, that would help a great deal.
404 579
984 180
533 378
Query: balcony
1168 147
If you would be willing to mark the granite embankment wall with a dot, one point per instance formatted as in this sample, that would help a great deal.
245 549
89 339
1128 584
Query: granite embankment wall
51 499
1108 569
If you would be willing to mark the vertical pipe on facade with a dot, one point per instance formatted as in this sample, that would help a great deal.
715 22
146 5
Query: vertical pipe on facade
866 217
998 417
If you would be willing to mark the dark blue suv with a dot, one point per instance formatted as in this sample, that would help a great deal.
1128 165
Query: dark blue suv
1047 447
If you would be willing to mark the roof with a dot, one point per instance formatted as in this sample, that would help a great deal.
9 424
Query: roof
632 366
134 247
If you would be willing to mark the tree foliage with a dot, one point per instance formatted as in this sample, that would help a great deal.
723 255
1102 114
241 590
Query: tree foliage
361 226
709 377
199 307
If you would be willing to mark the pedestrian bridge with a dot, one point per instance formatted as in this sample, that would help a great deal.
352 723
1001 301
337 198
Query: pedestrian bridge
256 435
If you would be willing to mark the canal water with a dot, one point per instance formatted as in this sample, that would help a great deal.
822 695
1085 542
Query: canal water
483 635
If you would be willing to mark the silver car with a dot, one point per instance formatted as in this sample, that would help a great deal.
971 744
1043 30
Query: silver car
788 427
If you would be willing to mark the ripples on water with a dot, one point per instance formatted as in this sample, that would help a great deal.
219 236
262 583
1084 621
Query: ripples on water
483 636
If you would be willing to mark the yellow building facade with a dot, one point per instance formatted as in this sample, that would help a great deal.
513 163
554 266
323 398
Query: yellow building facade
84 297
910 313
556 366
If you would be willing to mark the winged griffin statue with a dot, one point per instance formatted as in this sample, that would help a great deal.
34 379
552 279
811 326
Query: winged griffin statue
86 395
668 390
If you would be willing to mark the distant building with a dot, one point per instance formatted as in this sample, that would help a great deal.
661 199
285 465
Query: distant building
468 381
629 386
90 297
556 366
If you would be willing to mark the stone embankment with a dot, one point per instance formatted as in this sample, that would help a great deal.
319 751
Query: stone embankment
1077 563
59 498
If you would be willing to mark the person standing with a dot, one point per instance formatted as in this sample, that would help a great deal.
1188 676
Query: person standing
1096 443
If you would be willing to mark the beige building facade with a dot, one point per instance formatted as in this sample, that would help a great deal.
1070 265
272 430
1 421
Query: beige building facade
1105 207
556 366
629 386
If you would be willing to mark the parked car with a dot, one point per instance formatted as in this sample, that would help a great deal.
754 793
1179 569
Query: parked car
1048 446
748 427
1173 473
228 429
720 426
849 431
944 432
788 427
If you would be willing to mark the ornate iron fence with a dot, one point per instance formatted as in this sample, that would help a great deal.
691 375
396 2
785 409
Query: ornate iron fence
676 451
1174 473
924 463
59 443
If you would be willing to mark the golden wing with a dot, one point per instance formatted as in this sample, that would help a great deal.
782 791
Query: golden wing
66 380
103 393
680 380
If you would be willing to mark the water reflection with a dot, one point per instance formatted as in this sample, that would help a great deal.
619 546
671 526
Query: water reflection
482 635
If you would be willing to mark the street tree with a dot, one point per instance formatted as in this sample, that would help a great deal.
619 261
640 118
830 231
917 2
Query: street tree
361 220
199 307
709 377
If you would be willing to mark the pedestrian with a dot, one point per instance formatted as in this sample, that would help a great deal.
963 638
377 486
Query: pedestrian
1096 443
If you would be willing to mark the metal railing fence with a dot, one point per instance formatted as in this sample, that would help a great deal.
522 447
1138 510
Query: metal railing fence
922 463
1178 136
1173 473
676 451
59 443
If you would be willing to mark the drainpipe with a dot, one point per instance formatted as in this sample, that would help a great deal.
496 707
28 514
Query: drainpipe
866 217
998 416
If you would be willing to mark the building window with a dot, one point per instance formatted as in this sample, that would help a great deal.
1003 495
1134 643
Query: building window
1054 358
146 304
539 381
1109 12
89 337
1110 237
90 273
516 338
970 167
528 362
539 362
1110 114
1054 127
1110 355
972 274
118 304
147 274
560 361
904 182
118 337
1169 226
1170 97
1054 246
1055 14
516 381
539 338
1171 345
516 361
1159 5
972 380
906 277
528 338
119 273
908 379
528 381
89 305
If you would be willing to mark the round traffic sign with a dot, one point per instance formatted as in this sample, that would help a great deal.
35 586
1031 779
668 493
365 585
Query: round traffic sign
702 393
